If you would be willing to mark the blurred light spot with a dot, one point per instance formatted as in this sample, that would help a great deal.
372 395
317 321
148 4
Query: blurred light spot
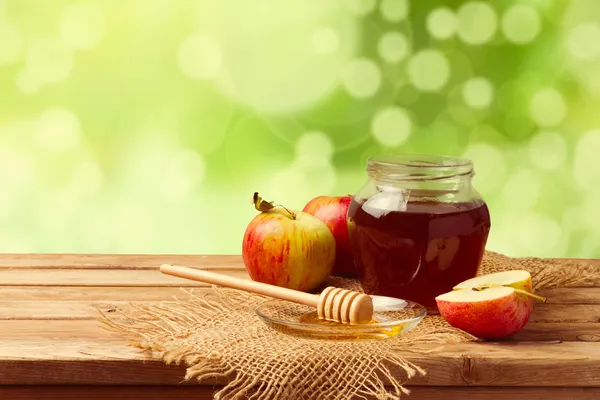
393 47
325 41
538 234
313 149
521 23
82 25
478 92
54 212
86 178
361 7
394 10
589 211
58 130
10 43
428 70
547 150
587 161
270 66
572 218
489 164
133 227
477 22
184 171
26 83
391 126
48 60
199 57
547 107
362 78
16 170
442 23
583 41
523 189
290 184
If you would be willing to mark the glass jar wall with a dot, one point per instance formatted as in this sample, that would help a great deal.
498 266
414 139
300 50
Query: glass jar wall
418 226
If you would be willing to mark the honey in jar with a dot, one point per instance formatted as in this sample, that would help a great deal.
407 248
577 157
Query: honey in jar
417 227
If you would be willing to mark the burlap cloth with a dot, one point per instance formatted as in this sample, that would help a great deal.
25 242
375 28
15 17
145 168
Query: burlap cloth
218 335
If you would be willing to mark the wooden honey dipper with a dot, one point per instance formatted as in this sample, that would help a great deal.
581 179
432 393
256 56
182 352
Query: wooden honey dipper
333 304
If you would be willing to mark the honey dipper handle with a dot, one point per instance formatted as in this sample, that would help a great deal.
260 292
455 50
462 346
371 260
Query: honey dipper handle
277 292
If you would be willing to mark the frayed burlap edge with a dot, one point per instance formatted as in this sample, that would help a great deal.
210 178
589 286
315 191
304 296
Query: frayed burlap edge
218 337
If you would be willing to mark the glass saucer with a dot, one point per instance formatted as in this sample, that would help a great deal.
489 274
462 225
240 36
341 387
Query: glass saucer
391 317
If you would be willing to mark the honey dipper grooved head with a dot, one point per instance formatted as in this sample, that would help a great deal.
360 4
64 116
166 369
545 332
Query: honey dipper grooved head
345 306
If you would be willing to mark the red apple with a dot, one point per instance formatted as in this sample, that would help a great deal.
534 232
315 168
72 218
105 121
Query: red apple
491 306
333 210
287 248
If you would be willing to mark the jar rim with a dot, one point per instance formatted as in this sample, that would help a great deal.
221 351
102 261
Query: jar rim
419 166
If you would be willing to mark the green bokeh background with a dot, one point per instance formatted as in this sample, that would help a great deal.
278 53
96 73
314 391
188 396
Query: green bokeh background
144 126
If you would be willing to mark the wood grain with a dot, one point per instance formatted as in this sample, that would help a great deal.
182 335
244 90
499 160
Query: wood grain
117 261
587 295
195 392
95 293
565 313
72 359
55 329
97 277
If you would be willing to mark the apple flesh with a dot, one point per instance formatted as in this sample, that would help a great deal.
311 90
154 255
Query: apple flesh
333 210
493 306
518 279
288 248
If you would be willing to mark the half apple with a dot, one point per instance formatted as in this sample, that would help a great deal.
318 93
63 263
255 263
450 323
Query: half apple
492 306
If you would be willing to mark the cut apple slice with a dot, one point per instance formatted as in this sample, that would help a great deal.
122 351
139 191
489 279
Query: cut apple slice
471 296
489 313
518 279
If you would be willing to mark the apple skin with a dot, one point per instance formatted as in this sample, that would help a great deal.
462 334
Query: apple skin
292 253
333 210
496 318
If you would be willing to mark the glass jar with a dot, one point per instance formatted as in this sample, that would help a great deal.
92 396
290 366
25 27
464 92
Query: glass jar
417 227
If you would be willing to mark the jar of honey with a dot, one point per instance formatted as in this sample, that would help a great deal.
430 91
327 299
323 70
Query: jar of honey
417 227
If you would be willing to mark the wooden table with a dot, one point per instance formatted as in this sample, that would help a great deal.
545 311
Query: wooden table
52 346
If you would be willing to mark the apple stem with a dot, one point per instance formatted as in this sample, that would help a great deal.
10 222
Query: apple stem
264 206
535 296
523 292
292 214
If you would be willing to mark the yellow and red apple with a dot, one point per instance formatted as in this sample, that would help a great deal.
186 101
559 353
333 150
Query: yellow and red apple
492 306
287 248
333 210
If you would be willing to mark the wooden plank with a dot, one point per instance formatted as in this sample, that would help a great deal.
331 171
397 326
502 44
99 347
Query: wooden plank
149 392
584 295
55 330
140 261
101 360
105 293
93 277
566 332
589 295
73 309
117 261
196 392
89 328
565 313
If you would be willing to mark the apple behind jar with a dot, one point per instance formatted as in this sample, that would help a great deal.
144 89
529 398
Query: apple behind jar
333 211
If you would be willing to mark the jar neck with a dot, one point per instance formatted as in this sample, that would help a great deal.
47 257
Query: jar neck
430 174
